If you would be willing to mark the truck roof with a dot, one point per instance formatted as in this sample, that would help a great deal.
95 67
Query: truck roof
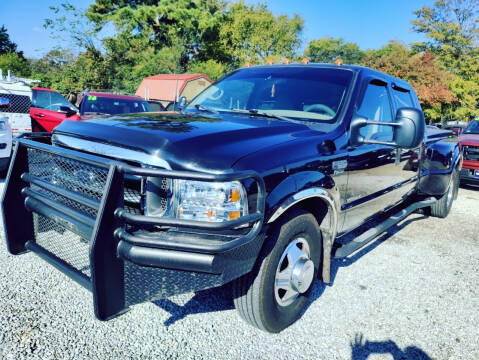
365 71
111 95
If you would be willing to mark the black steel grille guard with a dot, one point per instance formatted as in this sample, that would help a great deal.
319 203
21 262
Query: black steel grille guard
110 227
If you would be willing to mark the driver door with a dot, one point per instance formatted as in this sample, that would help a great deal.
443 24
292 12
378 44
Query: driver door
44 110
373 170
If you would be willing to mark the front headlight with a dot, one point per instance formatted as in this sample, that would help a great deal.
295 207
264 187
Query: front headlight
210 201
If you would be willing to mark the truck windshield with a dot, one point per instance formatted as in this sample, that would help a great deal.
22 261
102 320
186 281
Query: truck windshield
473 128
298 92
108 105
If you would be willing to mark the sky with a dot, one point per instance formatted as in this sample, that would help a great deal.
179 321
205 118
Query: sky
369 23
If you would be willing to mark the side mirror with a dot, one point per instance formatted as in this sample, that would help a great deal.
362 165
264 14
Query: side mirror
411 127
4 103
181 105
67 110
408 129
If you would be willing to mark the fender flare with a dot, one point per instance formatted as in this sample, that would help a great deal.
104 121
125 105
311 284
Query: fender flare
328 225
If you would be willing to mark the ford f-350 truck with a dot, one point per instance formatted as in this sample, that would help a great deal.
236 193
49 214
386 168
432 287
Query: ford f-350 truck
259 182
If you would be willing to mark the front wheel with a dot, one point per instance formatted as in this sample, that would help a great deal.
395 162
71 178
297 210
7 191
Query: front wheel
274 294
442 207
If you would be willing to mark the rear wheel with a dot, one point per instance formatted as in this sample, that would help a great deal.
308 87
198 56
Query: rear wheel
275 293
442 207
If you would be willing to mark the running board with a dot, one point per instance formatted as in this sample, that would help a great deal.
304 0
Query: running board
369 235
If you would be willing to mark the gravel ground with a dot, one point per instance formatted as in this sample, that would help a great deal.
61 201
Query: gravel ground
412 294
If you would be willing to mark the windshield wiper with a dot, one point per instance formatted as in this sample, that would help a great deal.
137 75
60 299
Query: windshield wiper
256 112
206 109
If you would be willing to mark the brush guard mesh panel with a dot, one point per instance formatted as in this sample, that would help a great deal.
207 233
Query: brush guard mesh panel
74 210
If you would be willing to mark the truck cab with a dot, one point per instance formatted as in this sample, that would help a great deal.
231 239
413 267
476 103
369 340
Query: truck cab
263 179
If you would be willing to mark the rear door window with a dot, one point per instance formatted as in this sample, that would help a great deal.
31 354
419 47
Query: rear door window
376 107
402 97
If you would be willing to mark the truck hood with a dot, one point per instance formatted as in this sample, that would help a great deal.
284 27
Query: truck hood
184 141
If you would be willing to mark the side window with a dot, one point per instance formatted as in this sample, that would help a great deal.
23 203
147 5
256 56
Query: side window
376 107
41 99
402 97
58 100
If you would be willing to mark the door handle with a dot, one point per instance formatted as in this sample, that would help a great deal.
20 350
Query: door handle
39 115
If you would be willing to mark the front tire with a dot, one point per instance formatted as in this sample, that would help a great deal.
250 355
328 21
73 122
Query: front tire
442 207
272 296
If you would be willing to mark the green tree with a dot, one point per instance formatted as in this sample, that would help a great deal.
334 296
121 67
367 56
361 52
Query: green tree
327 49
6 45
70 25
88 71
422 71
14 62
10 58
191 24
253 34
451 28
211 68
48 69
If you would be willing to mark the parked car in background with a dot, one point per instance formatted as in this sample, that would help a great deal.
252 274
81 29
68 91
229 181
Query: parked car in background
16 98
156 105
50 108
469 142
456 129
92 104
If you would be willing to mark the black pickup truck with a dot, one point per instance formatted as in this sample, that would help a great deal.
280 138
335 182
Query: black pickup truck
259 182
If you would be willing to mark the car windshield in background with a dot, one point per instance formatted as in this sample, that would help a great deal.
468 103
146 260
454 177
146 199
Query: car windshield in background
473 128
106 105
305 93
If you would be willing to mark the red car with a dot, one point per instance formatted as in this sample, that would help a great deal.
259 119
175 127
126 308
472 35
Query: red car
469 141
92 104
49 108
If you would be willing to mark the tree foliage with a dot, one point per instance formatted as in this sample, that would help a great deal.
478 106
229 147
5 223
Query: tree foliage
10 58
451 28
6 45
327 49
422 71
14 62
116 43
253 34
211 68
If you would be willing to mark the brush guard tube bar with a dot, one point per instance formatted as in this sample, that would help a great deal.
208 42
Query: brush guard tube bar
185 245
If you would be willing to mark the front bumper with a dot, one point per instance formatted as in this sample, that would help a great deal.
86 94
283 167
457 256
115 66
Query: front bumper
467 176
121 257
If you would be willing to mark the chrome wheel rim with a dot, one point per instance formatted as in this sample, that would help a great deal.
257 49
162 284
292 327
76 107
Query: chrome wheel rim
295 272
450 192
